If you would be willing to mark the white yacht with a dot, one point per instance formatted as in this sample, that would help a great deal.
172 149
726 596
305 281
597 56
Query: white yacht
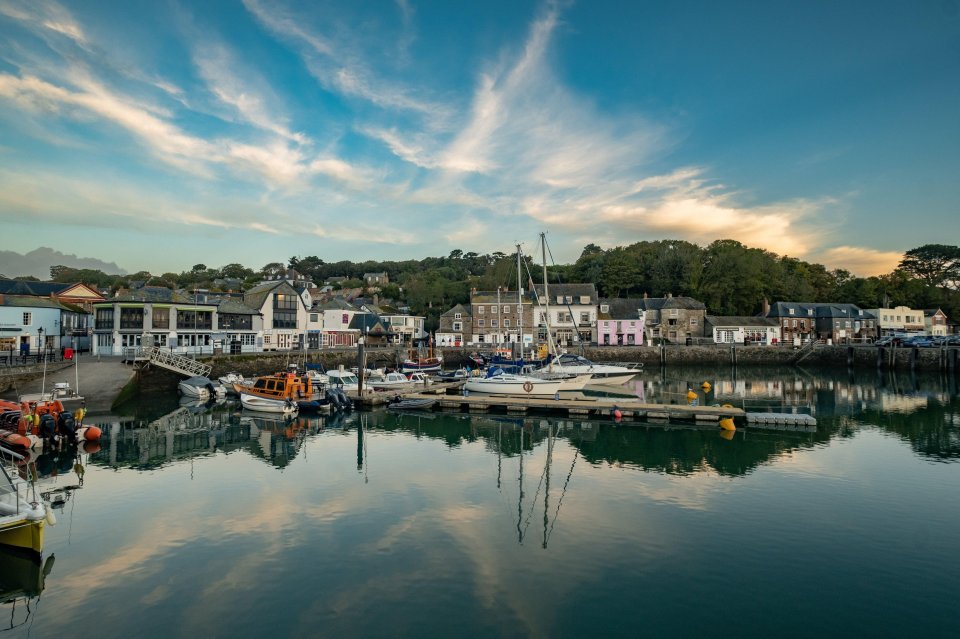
602 374
499 383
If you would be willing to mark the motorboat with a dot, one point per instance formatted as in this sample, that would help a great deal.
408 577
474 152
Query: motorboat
200 387
498 382
61 391
347 380
267 405
280 386
229 382
23 514
453 376
419 379
392 381
602 374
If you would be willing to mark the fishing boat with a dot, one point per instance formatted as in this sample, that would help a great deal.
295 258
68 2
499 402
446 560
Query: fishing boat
23 514
453 376
229 381
422 361
497 382
276 393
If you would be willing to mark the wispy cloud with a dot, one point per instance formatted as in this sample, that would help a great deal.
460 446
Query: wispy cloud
859 260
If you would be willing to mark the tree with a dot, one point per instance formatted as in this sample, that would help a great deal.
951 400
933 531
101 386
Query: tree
590 250
935 264
197 268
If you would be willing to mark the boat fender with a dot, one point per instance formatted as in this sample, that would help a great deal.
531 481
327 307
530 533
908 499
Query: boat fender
89 434
617 415
51 518
13 439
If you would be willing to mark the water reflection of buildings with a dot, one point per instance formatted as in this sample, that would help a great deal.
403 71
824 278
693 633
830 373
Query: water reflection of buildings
187 432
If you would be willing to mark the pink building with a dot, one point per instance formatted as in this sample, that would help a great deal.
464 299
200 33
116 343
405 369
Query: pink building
620 322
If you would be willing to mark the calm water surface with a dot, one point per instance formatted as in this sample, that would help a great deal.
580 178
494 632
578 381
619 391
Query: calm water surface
215 523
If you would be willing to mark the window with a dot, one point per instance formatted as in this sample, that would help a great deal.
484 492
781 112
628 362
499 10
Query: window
104 318
494 323
809 311
604 308
480 323
674 312
314 317
284 319
161 318
285 301
584 318
236 322
480 309
195 320
131 318
27 319
790 311
457 326
493 309
584 299
457 316
266 340
569 299
519 309
159 339
506 323
693 321
543 317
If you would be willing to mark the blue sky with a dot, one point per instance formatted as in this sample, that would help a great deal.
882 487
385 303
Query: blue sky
159 134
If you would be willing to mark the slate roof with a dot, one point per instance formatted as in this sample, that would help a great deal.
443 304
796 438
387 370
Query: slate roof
678 302
459 308
234 307
930 312
367 323
621 308
336 304
741 320
256 296
40 289
31 301
576 291
820 309
506 297
155 294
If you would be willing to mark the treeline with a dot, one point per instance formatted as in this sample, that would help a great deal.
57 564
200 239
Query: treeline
730 278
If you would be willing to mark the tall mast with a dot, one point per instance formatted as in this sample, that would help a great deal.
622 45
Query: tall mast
519 304
546 295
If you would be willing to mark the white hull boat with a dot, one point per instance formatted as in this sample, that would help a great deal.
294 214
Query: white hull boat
392 381
267 405
347 380
600 374
200 388
514 385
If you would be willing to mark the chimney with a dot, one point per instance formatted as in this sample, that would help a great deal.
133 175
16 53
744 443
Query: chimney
376 300
766 307
644 296
669 296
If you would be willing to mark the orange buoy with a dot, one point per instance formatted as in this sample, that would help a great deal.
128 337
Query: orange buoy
91 434
617 415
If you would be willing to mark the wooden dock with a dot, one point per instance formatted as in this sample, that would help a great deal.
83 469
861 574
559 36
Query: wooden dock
578 405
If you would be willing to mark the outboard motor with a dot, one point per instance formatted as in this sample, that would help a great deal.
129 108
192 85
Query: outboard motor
211 389
332 397
48 428
347 403
67 427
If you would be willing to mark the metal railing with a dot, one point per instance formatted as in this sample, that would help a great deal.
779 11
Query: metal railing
171 361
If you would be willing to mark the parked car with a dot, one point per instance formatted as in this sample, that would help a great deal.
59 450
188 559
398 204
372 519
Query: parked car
889 340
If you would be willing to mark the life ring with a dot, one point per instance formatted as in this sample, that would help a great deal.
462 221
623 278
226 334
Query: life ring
528 386
727 406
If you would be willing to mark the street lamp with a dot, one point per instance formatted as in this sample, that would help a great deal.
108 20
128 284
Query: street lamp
39 341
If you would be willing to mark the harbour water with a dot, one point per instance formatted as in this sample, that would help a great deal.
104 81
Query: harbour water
213 522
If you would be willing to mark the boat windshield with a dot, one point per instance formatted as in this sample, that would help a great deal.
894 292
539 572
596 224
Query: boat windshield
574 360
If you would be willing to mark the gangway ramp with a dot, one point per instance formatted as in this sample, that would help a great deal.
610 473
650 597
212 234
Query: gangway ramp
176 363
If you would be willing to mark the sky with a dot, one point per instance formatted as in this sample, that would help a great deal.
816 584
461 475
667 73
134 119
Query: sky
157 134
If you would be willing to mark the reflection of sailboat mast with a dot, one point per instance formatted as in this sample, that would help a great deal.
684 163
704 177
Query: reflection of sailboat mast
546 494
499 449
520 500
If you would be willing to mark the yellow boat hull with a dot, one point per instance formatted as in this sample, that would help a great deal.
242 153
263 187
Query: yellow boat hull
23 534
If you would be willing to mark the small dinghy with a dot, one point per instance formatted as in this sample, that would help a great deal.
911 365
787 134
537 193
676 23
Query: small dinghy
411 404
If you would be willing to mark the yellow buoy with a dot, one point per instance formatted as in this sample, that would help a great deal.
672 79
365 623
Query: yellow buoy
691 395
727 424
706 387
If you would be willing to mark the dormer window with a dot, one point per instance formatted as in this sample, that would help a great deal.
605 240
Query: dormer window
790 310
810 311
559 299
604 308
584 299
